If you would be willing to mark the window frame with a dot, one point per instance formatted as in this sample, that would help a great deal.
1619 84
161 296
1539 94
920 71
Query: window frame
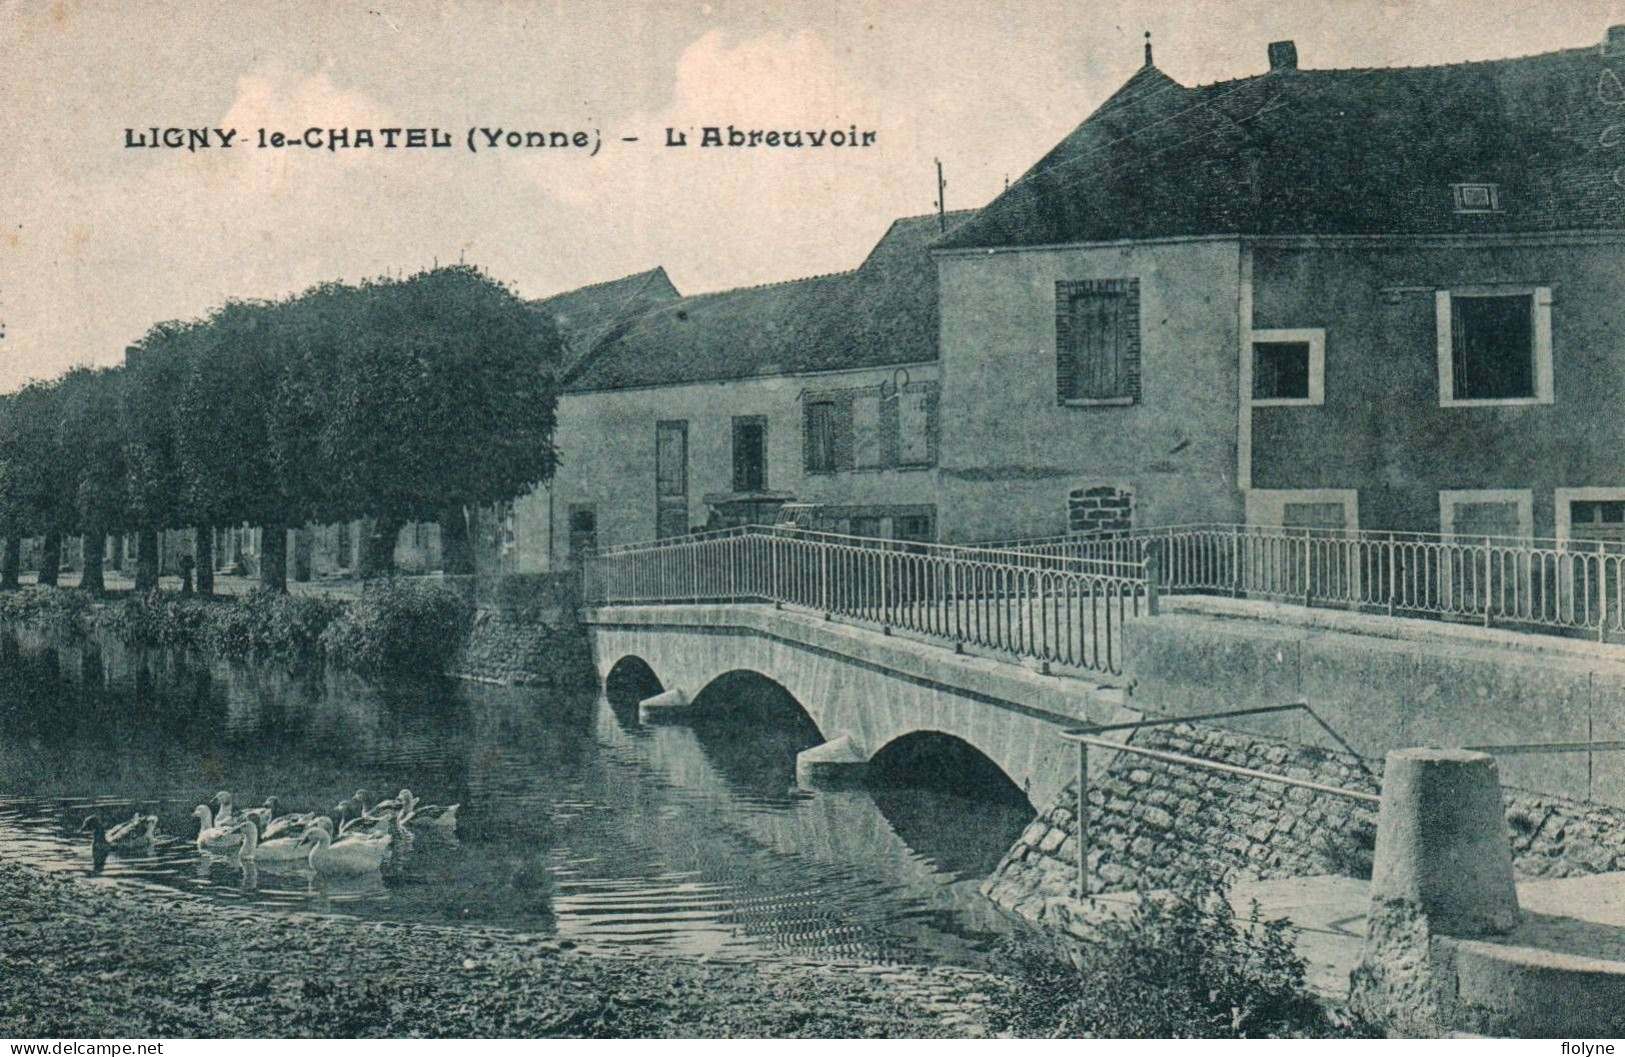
1067 291
742 424
1449 498
1540 338
1563 520
1459 191
1315 337
811 464
1267 506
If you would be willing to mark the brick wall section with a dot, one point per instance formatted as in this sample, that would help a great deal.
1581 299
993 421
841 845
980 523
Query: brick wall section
1151 821
1102 508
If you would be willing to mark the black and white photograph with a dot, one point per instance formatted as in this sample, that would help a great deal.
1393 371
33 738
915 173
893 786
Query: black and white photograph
811 519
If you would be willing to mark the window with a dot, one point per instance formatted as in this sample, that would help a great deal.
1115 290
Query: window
821 436
913 527
671 479
1303 508
914 433
1280 370
1289 368
583 530
866 448
1097 342
750 453
864 525
1494 512
1591 514
1495 346
1477 198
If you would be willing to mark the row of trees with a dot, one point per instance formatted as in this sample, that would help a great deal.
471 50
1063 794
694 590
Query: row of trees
397 400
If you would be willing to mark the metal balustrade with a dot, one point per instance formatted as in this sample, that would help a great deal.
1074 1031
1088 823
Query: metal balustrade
1565 586
1054 609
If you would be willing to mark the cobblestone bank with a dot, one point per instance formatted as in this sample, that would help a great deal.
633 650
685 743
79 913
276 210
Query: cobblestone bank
515 650
87 959
1151 821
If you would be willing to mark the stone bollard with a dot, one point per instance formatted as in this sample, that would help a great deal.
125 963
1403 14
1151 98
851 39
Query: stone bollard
1442 870
1442 842
668 707
836 763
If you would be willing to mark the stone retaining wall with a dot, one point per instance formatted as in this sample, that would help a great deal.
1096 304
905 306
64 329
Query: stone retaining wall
511 650
1151 821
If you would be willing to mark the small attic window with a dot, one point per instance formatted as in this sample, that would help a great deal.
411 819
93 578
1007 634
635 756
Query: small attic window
1477 198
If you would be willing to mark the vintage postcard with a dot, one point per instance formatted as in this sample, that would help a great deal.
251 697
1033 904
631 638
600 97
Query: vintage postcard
943 519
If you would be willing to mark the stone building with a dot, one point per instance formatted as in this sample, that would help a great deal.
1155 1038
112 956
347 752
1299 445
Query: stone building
1377 298
718 409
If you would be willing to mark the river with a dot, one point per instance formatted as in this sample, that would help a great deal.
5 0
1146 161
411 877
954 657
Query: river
576 821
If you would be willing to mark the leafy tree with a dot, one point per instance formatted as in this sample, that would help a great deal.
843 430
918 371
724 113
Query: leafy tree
28 488
441 398
154 370
91 462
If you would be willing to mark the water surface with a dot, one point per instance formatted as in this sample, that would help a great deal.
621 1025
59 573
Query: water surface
577 822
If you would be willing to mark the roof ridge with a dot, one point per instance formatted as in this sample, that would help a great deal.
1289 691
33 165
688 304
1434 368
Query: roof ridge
645 275
685 298
1574 52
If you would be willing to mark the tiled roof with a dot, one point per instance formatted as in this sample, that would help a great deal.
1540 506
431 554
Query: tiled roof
1363 151
586 316
883 312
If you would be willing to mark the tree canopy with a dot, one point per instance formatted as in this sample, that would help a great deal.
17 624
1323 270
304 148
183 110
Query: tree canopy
390 399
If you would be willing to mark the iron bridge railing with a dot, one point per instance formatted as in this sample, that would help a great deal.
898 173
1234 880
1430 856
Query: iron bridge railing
1054 609
1563 586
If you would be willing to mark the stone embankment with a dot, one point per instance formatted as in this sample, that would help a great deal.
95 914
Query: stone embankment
1151 821
84 959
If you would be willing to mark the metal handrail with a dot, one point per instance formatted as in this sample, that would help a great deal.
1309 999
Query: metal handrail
1567 586
1086 736
873 543
1065 612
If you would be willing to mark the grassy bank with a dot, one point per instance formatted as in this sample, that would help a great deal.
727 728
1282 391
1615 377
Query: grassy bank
87 959
392 626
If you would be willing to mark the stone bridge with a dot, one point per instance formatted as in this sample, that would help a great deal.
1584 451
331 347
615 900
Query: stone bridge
864 689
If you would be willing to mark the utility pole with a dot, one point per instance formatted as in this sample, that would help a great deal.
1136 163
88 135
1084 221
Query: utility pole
942 209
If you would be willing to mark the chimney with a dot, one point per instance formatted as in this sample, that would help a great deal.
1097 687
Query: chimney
1283 55
1614 44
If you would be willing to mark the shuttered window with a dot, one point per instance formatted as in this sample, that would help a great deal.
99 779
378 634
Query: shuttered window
1097 331
821 436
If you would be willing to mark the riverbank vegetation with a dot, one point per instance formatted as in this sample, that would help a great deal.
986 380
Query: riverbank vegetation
397 626
1179 964
392 400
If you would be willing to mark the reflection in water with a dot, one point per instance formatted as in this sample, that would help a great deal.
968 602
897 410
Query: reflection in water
576 821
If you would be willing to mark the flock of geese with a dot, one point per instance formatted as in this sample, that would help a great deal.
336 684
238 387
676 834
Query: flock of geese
354 838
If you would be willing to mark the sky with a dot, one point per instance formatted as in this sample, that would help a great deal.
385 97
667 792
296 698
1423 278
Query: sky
102 241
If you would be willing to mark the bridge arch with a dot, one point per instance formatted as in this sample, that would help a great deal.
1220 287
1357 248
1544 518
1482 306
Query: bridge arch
946 763
853 683
749 691
630 680
752 726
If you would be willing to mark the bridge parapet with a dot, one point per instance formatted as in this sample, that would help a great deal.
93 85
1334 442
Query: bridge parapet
1058 610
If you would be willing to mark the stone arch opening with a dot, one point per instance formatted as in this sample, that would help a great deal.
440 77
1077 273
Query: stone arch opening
628 682
948 801
751 729
932 759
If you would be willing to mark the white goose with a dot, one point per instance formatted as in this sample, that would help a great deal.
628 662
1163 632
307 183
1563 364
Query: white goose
279 851
223 813
211 835
349 855
434 816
